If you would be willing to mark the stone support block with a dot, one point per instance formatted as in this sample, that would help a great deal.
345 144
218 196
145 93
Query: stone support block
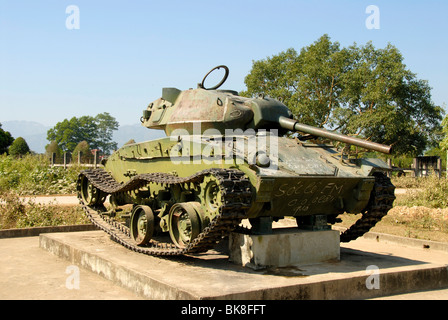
284 247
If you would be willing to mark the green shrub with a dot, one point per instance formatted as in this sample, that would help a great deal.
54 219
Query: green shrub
11 207
19 148
32 175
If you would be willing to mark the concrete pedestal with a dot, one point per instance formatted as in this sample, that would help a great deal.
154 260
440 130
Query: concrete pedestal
210 275
284 247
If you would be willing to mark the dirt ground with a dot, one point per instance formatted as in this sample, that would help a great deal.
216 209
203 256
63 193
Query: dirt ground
411 222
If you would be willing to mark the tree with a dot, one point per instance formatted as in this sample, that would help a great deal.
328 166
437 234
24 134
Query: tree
96 131
51 148
5 140
69 133
19 148
360 91
444 142
106 125
86 154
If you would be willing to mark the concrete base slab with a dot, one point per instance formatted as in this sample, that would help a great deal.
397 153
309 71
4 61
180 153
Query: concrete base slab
285 247
366 269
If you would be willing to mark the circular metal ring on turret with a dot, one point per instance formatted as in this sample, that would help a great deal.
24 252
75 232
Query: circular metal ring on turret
201 85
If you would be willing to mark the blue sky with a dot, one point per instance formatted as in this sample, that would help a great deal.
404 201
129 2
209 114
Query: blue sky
125 52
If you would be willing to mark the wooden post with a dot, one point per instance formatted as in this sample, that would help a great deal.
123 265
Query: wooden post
415 165
389 163
95 158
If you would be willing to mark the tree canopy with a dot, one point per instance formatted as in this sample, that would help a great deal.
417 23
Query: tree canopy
86 154
5 140
53 148
106 125
19 147
358 90
96 131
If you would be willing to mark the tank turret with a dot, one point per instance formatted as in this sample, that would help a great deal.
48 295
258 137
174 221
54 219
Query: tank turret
224 109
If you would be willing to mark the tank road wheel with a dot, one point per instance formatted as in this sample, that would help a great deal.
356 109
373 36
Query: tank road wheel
91 195
142 225
184 224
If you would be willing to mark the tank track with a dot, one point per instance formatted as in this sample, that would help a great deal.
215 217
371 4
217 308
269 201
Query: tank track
235 189
380 203
235 198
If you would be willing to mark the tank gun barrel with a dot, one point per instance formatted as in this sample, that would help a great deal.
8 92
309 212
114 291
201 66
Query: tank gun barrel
293 125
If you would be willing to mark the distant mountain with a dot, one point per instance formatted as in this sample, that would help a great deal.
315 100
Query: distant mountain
35 134
136 132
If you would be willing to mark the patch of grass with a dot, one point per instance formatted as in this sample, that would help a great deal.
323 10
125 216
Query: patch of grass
16 213
428 192
32 175
411 222
406 182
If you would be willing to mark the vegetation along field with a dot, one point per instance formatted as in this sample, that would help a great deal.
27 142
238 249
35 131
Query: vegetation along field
29 176
420 210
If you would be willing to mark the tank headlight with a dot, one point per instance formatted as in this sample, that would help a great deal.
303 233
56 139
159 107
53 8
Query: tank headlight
263 160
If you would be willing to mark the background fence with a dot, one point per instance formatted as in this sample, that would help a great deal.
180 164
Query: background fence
421 166
67 160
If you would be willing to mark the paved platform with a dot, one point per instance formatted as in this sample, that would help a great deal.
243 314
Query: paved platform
28 272
367 269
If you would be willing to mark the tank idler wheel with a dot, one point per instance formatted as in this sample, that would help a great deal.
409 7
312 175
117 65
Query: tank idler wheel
184 224
142 224
91 195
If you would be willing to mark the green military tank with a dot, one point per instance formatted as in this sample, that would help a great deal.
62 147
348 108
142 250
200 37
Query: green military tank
226 158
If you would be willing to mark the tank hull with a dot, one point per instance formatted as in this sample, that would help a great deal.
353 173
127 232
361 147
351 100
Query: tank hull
304 179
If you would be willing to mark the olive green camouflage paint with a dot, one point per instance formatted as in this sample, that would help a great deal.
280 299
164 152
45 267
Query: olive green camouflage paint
217 128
